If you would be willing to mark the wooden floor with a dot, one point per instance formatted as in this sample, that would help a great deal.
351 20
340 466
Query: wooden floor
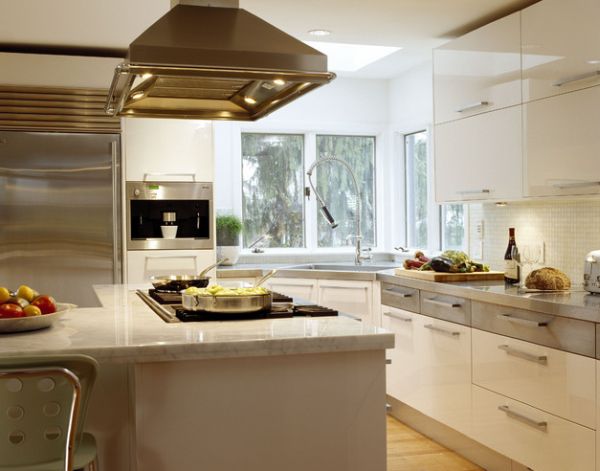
408 450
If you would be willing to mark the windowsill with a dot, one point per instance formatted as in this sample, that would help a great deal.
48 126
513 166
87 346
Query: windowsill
295 256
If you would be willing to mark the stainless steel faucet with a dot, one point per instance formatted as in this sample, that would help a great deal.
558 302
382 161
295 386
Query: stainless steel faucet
256 248
358 256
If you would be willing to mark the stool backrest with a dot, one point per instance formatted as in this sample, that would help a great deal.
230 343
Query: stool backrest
42 408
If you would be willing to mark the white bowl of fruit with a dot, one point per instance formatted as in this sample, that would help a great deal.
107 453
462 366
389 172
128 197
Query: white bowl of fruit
26 309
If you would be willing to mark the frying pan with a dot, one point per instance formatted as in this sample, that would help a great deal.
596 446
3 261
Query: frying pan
180 282
238 304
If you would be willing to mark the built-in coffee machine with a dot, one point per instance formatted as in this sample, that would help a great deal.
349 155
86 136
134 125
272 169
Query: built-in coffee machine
169 215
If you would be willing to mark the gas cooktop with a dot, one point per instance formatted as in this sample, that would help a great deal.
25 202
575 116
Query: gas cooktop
168 306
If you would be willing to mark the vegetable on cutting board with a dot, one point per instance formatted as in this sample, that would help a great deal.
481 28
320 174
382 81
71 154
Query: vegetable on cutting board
450 261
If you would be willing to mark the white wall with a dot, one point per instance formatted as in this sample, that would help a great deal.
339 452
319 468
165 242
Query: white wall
410 110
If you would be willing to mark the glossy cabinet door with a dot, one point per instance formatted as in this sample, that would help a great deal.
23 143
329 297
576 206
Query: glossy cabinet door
560 47
144 264
168 150
352 297
444 370
478 72
535 438
402 376
557 382
479 158
303 288
562 144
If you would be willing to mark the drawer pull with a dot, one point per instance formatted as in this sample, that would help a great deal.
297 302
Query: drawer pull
444 303
540 425
520 320
398 293
396 316
473 106
388 361
562 184
453 333
484 191
576 78
541 359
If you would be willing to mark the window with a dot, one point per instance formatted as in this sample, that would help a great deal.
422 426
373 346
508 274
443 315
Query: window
273 187
424 218
334 184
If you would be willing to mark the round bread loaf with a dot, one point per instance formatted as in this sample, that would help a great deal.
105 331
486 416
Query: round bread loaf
547 278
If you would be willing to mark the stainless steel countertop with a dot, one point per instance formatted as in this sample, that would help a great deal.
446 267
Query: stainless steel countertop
575 304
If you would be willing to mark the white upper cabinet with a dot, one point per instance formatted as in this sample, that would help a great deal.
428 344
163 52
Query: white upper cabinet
562 144
478 72
560 47
168 150
479 158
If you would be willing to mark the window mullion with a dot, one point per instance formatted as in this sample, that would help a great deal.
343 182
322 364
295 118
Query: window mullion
310 205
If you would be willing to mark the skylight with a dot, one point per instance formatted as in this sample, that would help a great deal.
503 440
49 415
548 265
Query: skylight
351 57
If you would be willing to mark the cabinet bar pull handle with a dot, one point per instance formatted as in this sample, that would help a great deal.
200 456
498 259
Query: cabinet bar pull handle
538 424
576 78
396 316
564 184
541 359
441 331
388 361
398 293
520 320
473 106
191 176
484 191
443 303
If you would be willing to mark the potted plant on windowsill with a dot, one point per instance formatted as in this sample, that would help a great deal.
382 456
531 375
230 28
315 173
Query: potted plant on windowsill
229 228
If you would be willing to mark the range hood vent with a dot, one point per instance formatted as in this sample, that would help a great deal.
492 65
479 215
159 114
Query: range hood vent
200 62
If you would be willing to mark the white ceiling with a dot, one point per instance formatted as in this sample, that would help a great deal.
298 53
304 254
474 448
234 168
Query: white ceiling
415 25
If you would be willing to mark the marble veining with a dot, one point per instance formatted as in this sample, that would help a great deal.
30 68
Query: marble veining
124 329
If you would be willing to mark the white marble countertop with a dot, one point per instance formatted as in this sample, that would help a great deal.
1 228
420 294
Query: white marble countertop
124 329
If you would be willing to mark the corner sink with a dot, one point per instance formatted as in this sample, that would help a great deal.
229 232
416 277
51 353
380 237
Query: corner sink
339 267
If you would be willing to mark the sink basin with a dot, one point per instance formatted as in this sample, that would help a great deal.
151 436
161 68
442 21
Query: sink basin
339 267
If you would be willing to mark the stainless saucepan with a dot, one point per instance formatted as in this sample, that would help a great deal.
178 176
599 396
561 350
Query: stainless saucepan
180 282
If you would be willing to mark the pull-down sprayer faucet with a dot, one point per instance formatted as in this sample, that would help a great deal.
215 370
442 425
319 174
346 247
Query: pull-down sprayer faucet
358 257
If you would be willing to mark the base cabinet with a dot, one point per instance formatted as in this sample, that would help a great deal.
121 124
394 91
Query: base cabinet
530 436
431 366
349 296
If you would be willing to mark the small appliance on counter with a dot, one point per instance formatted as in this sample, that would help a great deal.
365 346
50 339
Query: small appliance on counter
591 272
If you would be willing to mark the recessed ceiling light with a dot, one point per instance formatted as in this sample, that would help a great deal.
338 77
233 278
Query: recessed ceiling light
137 95
351 57
501 204
146 76
279 82
319 32
249 100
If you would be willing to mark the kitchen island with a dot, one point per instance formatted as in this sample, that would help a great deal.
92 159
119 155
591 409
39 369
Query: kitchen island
294 394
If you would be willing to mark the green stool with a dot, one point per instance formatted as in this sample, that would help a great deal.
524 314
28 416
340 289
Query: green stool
43 401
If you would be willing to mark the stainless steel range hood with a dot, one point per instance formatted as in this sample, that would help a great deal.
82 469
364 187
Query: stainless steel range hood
200 62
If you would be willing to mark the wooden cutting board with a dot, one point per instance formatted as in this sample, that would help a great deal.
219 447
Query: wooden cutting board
448 277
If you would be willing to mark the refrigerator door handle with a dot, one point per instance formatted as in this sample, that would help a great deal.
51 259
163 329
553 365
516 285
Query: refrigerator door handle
116 195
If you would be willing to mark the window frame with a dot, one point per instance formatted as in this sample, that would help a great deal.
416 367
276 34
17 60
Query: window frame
310 205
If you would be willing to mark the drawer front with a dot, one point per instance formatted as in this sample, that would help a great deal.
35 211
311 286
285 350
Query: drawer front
534 438
569 335
400 297
295 287
448 308
557 382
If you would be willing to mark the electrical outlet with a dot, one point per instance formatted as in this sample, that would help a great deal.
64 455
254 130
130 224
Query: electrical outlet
542 252
479 230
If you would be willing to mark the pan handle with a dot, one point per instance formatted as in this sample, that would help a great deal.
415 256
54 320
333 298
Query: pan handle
210 267
265 278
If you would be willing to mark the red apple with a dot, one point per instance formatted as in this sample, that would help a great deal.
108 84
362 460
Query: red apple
46 303
9 310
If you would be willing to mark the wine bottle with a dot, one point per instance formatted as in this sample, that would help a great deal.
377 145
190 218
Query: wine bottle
512 271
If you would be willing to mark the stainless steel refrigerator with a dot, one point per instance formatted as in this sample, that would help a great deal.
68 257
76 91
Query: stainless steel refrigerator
60 213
